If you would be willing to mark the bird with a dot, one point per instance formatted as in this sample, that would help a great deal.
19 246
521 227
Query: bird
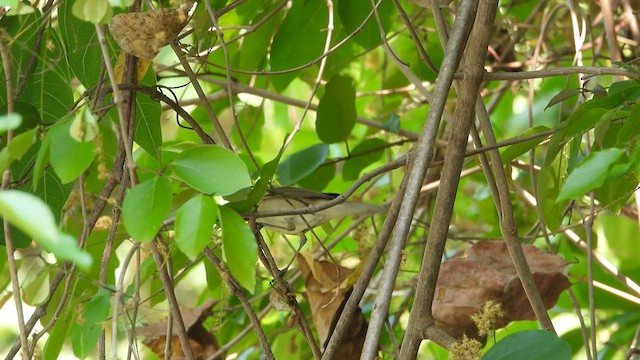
294 198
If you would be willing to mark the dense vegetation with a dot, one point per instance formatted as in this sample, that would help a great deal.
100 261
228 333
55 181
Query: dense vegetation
132 211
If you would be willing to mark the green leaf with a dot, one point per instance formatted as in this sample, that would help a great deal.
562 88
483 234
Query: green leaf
53 94
10 121
68 157
614 193
29 214
65 247
363 155
42 160
94 11
353 13
240 248
254 48
589 174
10 3
194 224
81 42
530 345
267 172
145 207
121 3
301 164
147 165
337 110
590 113
47 88
513 151
21 144
583 119
212 276
631 129
35 287
211 169
84 126
98 308
148 132
551 179
86 331
17 149
51 191
22 29
30 117
32 216
562 96
58 335
320 178
299 40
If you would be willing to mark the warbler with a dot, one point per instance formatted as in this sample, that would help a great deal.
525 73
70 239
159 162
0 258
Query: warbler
290 198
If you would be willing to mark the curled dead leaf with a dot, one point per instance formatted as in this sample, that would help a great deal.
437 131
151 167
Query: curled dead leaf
144 34
328 287
202 342
487 274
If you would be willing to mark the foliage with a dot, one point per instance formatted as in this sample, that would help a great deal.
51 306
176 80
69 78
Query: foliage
122 204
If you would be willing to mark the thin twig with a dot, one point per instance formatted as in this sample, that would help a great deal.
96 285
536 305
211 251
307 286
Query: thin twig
8 238
39 311
560 71
227 64
203 97
174 307
283 288
318 79
583 327
588 228
117 299
238 88
124 105
236 290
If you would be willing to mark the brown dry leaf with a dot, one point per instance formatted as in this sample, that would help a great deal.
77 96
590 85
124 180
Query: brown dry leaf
143 34
463 288
203 343
514 300
327 295
465 285
548 272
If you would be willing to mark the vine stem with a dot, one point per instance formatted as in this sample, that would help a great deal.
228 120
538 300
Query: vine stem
174 307
318 79
236 289
118 99
6 184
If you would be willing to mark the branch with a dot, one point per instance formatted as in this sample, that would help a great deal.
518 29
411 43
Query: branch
174 307
154 94
283 289
379 249
421 322
6 184
561 71
236 290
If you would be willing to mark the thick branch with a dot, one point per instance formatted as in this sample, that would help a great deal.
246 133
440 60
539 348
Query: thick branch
421 322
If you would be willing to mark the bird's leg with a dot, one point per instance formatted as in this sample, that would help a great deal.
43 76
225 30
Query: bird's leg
303 240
